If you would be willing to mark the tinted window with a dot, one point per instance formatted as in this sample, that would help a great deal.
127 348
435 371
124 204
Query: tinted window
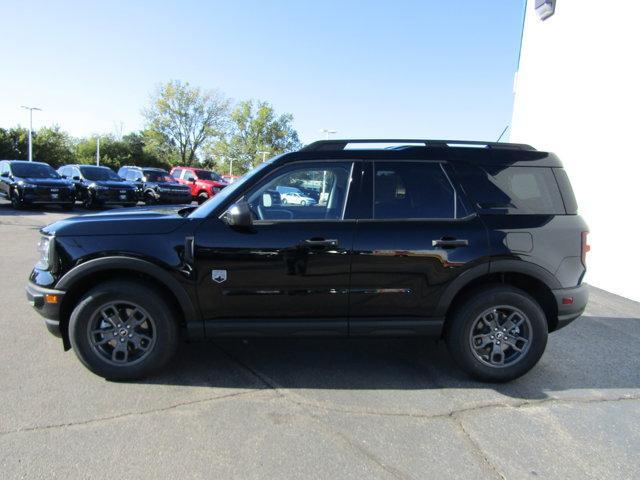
570 204
99 174
414 190
158 176
282 197
176 173
515 190
208 175
34 170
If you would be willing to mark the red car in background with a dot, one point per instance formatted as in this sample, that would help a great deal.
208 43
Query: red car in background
204 184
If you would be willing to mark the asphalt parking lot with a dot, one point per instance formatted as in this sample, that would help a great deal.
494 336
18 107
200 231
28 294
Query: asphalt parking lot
395 409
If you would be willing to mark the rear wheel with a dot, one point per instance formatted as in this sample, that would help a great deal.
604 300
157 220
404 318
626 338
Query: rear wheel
123 330
498 334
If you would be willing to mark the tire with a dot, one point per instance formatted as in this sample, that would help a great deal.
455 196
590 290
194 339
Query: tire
303 203
202 197
115 353
507 355
284 201
89 202
149 199
15 200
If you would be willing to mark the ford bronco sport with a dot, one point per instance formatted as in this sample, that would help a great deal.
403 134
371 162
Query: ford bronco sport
477 243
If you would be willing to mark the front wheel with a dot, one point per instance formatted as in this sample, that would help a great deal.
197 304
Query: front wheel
498 334
202 197
16 201
123 330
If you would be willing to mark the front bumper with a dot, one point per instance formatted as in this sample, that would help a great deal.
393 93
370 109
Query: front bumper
172 197
42 196
40 299
114 197
568 312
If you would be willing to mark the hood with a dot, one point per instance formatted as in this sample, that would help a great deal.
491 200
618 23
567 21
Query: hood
121 221
111 183
47 182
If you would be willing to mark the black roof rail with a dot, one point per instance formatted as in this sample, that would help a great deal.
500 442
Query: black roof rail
332 145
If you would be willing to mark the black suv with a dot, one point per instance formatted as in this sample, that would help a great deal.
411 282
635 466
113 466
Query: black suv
30 183
98 186
156 185
477 243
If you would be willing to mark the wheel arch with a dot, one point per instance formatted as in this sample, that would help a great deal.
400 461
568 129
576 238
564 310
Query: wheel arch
85 276
526 276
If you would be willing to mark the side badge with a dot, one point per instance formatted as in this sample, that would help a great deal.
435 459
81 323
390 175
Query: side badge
218 276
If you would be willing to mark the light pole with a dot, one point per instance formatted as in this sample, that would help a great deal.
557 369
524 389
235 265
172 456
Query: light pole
31 109
328 132
98 151
264 155
231 167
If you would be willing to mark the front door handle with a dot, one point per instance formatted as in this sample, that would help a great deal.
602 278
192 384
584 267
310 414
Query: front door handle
450 242
320 242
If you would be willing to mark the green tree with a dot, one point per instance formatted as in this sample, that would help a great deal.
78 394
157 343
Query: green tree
114 152
50 145
54 146
182 118
256 131
13 143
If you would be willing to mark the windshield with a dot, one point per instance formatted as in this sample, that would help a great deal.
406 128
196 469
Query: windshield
97 174
158 176
210 205
208 175
33 170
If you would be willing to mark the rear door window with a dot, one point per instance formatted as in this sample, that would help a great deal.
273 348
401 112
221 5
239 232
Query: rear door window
414 190
514 190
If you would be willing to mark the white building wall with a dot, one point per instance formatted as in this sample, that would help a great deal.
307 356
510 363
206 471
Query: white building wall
577 93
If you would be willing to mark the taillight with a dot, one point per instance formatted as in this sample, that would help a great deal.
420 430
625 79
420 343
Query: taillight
585 248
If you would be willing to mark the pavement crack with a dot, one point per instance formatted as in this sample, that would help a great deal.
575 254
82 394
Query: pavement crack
461 411
477 449
128 414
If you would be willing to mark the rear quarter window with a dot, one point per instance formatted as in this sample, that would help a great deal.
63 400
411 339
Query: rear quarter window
512 190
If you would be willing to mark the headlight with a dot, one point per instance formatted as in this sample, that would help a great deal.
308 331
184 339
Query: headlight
24 184
95 186
45 250
216 189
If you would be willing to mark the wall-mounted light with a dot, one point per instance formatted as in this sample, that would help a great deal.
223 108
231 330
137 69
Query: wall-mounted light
545 8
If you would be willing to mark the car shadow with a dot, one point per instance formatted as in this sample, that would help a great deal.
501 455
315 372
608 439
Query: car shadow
589 354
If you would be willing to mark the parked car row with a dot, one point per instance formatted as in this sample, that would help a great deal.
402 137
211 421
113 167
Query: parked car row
36 183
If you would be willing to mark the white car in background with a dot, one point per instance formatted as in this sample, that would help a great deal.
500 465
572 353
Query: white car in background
296 198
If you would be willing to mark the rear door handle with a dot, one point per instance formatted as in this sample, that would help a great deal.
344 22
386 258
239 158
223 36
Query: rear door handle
450 243
320 242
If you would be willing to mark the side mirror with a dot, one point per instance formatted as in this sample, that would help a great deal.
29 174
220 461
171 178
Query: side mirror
238 215
75 177
4 174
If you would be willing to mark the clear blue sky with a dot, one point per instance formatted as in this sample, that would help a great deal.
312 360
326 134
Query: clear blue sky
428 69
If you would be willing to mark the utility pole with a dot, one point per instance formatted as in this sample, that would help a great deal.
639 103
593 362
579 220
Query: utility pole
31 109
264 156
328 132
98 151
231 167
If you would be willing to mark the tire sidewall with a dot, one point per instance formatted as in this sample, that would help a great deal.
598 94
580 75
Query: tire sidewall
463 320
202 197
145 297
